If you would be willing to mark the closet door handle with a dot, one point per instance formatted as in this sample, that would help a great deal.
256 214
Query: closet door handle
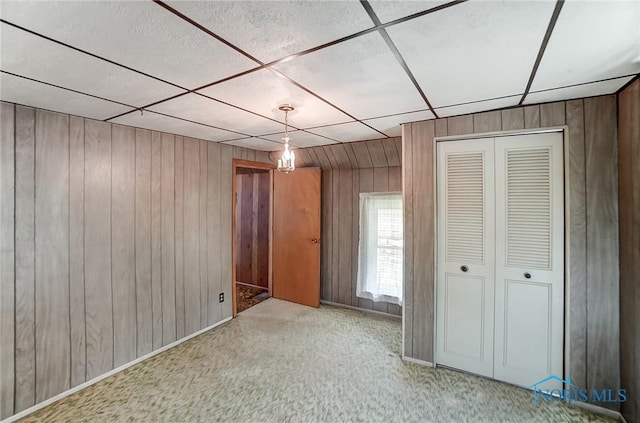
527 275
464 268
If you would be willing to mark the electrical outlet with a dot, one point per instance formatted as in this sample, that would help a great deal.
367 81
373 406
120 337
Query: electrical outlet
221 297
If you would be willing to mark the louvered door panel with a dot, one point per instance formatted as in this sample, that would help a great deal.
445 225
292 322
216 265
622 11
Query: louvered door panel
465 278
528 208
529 279
465 207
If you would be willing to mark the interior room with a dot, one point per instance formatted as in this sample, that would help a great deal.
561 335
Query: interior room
320 211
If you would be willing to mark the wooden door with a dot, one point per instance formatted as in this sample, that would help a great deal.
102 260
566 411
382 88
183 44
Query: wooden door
296 236
529 259
465 279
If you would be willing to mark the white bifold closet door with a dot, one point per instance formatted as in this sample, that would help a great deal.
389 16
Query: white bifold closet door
529 259
465 266
500 277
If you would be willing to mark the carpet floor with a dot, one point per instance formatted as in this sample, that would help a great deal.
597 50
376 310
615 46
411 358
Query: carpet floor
282 362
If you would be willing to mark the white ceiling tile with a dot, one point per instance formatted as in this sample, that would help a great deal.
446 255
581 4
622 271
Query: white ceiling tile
481 106
156 122
256 144
361 76
35 94
271 30
263 91
390 125
59 65
301 139
348 132
204 110
391 10
592 40
141 35
474 50
579 91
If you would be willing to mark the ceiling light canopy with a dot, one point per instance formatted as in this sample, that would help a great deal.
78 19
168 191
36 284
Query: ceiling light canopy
287 163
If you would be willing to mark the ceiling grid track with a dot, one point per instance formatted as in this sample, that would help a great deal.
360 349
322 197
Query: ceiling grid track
396 53
543 46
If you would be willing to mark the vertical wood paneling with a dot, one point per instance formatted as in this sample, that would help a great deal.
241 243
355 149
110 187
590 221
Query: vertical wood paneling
513 119
487 122
97 248
245 227
398 142
321 155
335 238
180 198
362 155
352 156
25 313
602 244
458 125
629 177
214 207
376 151
341 156
578 244
355 233
99 213
345 233
407 207
204 283
532 116
333 163
168 240
123 266
156 238
552 114
441 127
327 230
366 185
76 252
424 235
262 223
7 259
144 305
226 175
192 236
53 355
393 159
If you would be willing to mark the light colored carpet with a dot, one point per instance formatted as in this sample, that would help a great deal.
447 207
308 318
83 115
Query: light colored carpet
281 362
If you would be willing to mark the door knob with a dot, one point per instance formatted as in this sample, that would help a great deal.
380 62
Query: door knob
527 275
464 268
315 241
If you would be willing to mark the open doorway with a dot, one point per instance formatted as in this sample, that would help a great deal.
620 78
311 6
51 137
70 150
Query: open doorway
251 233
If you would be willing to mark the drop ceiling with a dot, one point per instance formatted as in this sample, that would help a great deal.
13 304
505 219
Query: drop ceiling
354 70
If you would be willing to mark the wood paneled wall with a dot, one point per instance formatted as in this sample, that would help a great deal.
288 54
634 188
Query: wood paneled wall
629 181
353 155
340 231
115 241
593 258
253 191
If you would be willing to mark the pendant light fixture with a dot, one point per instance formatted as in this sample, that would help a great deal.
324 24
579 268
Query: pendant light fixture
287 163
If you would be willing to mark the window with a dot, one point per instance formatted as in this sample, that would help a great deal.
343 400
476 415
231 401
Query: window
380 247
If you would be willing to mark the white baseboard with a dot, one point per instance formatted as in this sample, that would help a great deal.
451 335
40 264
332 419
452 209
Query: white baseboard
599 410
416 361
95 380
365 310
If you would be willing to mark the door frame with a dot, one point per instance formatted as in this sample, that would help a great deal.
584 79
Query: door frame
564 130
247 164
